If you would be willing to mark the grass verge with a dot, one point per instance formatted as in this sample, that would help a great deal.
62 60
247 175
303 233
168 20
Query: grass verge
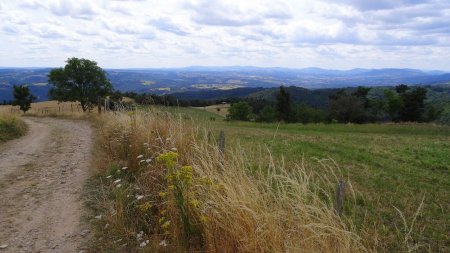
11 126
164 186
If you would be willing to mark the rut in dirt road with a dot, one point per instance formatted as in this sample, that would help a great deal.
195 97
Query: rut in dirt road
41 179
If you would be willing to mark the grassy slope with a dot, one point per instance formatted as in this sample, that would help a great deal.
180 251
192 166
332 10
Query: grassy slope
392 165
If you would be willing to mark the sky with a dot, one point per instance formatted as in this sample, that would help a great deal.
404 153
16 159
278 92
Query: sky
333 34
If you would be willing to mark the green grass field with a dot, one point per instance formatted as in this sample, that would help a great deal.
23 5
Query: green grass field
392 166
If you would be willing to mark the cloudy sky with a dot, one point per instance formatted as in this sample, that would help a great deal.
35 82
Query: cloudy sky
335 34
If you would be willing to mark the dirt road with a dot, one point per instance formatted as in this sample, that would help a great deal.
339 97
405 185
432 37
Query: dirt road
41 180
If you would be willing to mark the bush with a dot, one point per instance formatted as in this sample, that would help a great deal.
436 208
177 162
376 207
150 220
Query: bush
306 114
267 114
239 111
11 127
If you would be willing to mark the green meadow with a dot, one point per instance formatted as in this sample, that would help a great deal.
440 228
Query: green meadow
391 167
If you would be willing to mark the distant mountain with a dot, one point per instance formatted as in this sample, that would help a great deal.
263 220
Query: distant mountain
193 79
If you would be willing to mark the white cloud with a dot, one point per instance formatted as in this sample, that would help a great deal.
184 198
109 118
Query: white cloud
323 33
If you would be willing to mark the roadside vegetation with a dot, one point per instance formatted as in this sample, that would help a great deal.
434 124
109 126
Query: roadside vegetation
165 186
11 126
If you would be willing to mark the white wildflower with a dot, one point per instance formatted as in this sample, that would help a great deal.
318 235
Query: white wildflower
140 156
143 244
174 149
118 186
106 225
139 197
117 181
141 161
124 168
149 160
108 177
163 243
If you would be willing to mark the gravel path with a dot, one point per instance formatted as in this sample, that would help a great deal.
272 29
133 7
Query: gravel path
41 179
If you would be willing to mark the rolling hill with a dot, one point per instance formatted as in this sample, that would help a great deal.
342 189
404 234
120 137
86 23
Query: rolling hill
216 79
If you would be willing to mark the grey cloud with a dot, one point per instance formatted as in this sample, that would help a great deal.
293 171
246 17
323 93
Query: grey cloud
216 13
371 5
121 28
391 40
166 25
49 34
147 36
10 30
81 10
344 36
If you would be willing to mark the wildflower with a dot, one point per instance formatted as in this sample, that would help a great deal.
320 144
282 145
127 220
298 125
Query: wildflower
174 149
118 186
145 207
143 244
139 197
194 203
106 225
124 168
163 243
203 219
146 144
117 181
169 159
140 156
166 225
108 177
149 160
141 161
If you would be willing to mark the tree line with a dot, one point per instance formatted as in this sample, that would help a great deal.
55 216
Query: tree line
401 104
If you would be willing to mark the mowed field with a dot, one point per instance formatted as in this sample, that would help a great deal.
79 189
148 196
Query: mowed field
392 167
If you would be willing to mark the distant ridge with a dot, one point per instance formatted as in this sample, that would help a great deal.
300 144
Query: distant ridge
201 78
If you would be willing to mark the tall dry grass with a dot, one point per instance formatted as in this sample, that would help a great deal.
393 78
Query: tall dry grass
11 126
166 187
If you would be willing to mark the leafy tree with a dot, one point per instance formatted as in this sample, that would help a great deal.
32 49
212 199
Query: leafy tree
402 88
22 97
361 93
306 114
394 104
268 114
284 105
346 108
80 80
239 111
413 104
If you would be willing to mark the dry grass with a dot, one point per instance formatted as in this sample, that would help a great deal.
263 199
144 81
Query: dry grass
186 196
11 126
